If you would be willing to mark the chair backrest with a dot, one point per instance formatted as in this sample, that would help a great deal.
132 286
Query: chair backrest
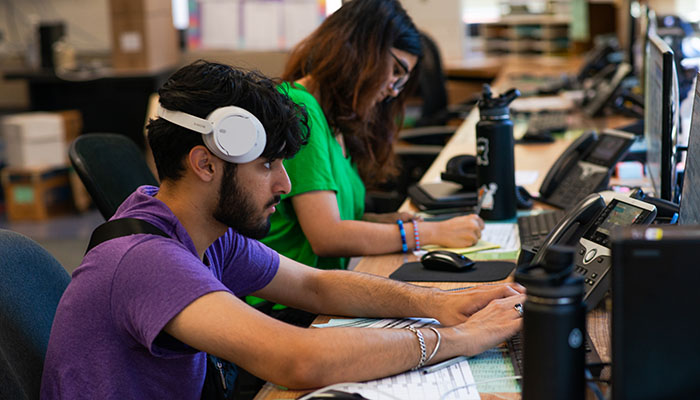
431 84
111 167
31 284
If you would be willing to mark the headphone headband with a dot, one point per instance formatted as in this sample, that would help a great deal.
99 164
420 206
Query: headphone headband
231 133
185 120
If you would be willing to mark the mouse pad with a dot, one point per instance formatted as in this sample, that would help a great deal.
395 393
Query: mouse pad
483 271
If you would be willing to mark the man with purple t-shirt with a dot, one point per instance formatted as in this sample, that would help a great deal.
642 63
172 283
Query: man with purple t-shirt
142 310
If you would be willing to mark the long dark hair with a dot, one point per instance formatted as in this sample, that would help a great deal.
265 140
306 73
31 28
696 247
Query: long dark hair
347 57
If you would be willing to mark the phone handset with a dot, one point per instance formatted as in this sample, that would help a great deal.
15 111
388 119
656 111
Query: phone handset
602 92
575 152
594 84
570 229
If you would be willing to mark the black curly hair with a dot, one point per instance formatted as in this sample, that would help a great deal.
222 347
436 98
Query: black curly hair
200 88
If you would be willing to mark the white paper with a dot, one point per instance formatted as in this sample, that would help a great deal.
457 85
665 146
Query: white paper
456 379
130 42
525 177
262 25
504 234
378 323
219 24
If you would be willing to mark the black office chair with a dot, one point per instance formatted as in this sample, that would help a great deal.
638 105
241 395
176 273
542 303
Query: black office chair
111 166
31 284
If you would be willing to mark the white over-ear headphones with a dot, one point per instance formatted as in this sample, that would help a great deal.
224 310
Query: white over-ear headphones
231 133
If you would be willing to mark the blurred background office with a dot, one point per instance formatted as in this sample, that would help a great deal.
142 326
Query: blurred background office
74 67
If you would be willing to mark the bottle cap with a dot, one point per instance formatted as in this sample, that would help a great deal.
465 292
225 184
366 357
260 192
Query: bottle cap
558 258
554 278
490 107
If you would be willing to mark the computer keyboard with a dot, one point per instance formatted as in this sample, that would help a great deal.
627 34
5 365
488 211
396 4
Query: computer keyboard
515 349
547 123
533 229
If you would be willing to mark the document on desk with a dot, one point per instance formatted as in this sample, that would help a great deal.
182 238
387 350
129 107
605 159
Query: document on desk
505 235
378 323
453 382
490 367
411 384
481 245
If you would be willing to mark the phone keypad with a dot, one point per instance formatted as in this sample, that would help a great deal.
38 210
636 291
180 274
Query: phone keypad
590 280
575 188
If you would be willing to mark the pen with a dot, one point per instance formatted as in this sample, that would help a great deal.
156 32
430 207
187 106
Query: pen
442 365
480 200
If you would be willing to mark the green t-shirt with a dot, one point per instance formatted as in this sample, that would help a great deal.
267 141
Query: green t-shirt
320 165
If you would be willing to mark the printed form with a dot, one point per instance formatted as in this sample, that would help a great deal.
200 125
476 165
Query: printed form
448 383
453 382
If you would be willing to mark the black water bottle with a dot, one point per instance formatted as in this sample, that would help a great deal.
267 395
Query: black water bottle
495 167
554 328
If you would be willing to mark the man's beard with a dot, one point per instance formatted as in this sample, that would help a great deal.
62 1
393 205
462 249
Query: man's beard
236 211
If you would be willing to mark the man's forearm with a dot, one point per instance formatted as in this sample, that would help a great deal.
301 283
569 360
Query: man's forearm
366 295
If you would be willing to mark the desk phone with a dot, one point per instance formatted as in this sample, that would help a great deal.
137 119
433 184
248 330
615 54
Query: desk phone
584 167
587 228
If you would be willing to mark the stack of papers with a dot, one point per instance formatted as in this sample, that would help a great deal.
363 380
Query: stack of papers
457 381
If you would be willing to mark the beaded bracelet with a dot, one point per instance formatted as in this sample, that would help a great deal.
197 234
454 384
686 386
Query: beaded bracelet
402 231
421 342
415 234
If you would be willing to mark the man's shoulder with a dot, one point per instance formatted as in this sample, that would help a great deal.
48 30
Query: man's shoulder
141 247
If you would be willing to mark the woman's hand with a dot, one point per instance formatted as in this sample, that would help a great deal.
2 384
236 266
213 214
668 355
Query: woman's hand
457 232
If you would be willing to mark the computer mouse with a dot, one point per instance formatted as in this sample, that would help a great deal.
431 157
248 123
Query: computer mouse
334 394
443 260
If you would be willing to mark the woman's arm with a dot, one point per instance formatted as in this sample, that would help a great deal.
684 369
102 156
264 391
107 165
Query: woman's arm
330 236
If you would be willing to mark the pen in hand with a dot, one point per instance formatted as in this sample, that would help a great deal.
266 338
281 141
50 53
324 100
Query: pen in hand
479 200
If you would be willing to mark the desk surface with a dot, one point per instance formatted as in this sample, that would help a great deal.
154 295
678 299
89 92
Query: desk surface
535 157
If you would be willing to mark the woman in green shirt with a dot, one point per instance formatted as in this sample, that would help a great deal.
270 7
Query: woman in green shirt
349 74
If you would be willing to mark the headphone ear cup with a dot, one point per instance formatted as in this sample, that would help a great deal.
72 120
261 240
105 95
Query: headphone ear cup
461 165
237 135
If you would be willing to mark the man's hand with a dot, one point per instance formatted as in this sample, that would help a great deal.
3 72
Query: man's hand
493 324
455 307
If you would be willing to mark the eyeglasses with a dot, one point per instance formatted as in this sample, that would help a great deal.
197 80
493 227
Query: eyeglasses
400 70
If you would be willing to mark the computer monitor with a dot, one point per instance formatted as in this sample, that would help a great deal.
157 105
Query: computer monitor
690 197
655 346
661 117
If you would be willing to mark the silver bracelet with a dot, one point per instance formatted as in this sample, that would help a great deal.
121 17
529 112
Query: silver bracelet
421 342
437 345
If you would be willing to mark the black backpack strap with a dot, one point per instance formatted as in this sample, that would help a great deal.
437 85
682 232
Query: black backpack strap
122 227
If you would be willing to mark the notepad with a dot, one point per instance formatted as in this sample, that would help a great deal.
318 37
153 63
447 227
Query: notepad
481 245
499 241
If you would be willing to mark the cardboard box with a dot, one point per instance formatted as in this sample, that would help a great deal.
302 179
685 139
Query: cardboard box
39 139
120 7
34 139
36 194
72 125
143 36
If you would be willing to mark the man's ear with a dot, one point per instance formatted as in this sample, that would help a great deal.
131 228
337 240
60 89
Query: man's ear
203 163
